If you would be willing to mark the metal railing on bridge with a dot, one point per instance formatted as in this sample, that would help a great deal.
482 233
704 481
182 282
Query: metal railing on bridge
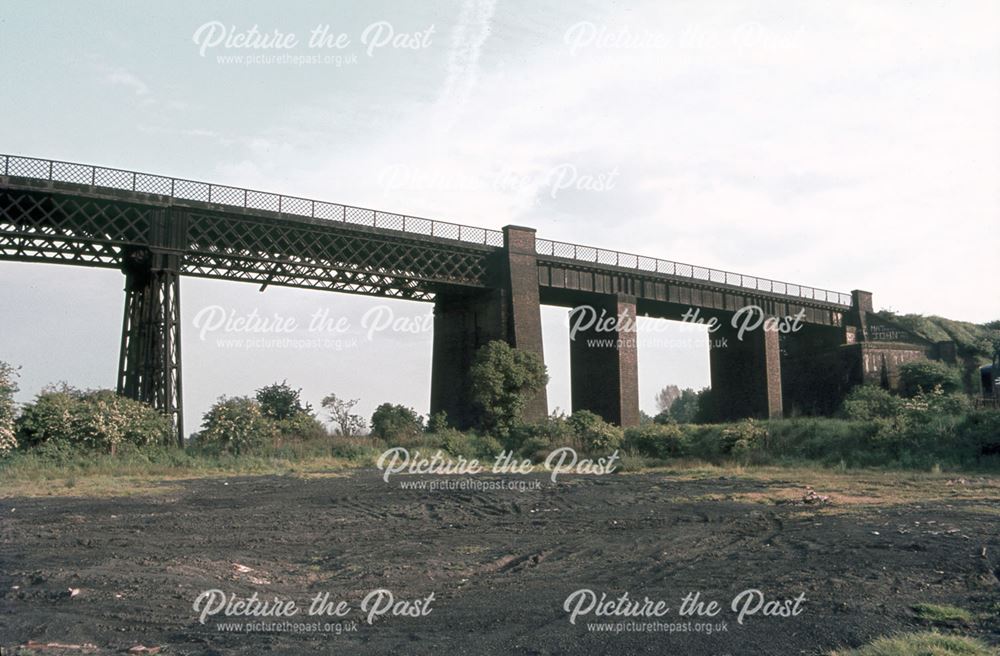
183 189
681 270
120 179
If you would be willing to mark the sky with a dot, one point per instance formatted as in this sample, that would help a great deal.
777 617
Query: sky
844 145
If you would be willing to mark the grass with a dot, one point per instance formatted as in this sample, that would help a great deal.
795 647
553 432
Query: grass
59 470
922 644
942 613
845 487
913 440
152 472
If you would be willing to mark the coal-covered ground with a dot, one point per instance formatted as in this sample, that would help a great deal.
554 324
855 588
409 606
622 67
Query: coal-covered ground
109 574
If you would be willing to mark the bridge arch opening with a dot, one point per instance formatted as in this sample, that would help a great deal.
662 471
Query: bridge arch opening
670 353
588 371
235 339
60 324
555 338
238 339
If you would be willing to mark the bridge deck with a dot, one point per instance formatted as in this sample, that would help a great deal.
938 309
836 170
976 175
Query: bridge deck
208 200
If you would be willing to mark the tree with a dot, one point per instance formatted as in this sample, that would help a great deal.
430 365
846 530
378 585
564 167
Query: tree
347 424
279 401
684 409
8 408
391 422
438 422
502 378
708 407
666 397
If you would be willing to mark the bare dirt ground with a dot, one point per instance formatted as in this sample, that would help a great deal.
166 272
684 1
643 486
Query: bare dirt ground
500 563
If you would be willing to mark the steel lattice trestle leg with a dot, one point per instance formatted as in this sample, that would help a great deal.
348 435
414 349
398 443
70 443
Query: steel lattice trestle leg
149 364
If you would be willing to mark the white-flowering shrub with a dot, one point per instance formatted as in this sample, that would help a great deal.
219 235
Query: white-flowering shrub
8 409
98 420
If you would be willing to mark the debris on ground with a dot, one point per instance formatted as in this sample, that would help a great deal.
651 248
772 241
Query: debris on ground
811 498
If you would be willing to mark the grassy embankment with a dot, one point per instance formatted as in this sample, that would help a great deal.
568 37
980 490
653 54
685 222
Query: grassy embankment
835 457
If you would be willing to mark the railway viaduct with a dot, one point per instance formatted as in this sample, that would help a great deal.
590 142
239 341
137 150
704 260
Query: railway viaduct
484 284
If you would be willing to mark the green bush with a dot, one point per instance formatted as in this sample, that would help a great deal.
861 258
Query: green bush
236 425
912 439
396 423
537 440
979 432
457 444
484 448
867 402
704 441
822 440
742 438
301 426
98 420
58 452
927 375
356 449
915 432
655 440
487 446
593 434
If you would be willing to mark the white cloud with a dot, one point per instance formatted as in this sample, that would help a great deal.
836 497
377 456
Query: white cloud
122 77
462 72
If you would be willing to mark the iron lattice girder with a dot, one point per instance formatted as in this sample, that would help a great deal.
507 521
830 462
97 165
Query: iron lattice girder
238 245
149 363
291 250
66 229
302 275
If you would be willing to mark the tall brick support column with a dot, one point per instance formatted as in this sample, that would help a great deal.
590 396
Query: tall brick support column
746 374
466 321
604 365
523 309
856 319
462 324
